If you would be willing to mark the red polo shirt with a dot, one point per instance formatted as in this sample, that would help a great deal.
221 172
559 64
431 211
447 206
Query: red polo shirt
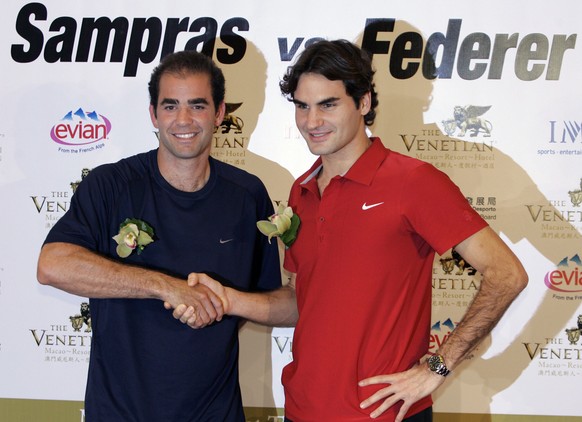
363 259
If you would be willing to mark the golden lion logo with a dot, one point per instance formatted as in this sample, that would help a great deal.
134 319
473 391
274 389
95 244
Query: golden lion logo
231 121
576 196
449 264
84 318
84 173
468 118
574 333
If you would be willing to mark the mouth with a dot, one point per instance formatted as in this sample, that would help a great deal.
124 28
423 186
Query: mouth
185 135
318 136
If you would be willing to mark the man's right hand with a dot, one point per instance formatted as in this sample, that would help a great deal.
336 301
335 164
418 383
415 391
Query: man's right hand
195 303
275 308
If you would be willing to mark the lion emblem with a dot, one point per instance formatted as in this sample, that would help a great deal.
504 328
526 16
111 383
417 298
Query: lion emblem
84 318
468 118
84 173
574 333
449 264
576 196
231 121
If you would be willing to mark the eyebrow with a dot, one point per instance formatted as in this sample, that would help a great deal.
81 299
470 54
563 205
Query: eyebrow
193 101
324 101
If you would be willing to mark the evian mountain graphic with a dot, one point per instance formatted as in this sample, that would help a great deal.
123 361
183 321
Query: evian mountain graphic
81 128
439 334
448 323
575 259
567 278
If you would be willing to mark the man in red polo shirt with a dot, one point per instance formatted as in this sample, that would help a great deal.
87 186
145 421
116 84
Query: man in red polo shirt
371 221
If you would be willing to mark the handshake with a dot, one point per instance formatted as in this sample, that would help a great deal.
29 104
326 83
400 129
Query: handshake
203 300
200 302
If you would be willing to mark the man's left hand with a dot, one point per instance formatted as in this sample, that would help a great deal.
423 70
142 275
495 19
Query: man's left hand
408 387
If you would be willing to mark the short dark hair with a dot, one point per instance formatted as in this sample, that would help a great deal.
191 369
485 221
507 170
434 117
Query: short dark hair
182 63
338 60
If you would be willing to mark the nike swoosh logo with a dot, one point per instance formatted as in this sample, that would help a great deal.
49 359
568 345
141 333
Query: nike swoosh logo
225 241
367 207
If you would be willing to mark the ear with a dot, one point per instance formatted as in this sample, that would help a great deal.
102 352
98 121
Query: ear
220 114
153 116
365 103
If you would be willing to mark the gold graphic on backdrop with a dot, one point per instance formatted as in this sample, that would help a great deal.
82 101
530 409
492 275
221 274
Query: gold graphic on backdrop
468 118
84 318
75 185
574 333
576 196
231 121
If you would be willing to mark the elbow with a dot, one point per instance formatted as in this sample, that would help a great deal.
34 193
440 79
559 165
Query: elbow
43 270
521 279
46 267
524 280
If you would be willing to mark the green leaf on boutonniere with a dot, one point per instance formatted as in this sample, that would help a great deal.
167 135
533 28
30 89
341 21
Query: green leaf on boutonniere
283 224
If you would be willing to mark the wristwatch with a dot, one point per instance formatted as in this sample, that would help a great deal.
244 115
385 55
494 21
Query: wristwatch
436 363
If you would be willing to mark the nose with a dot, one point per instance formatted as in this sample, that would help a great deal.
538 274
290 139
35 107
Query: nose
184 116
313 119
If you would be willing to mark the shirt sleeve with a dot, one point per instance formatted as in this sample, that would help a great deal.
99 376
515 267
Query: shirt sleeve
435 208
85 222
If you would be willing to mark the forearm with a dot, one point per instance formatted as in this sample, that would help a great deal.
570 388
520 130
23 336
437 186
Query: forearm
79 271
481 317
500 285
276 308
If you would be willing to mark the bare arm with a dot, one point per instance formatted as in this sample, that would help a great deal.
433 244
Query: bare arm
82 272
503 279
275 308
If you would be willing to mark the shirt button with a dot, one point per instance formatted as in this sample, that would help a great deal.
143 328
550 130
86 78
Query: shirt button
322 219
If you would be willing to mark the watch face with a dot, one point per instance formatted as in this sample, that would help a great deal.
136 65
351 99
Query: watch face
435 362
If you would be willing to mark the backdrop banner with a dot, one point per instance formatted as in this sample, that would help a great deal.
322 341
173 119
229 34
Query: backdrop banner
498 110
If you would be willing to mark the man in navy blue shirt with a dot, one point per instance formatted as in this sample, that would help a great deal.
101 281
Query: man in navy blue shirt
145 365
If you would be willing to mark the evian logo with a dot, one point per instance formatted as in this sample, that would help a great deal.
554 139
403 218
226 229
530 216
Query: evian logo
439 332
79 128
567 278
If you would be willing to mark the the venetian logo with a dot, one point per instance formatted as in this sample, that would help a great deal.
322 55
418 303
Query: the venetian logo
555 358
57 202
229 140
66 342
81 132
468 118
561 217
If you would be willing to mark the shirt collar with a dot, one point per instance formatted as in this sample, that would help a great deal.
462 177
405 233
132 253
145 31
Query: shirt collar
362 171
365 167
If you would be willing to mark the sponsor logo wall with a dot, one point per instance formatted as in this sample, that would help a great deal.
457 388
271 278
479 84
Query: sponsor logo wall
490 98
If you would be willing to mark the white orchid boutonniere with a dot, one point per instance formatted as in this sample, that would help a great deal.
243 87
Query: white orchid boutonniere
283 224
133 234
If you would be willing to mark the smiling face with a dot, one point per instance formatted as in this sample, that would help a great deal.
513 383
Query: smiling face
328 118
185 117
